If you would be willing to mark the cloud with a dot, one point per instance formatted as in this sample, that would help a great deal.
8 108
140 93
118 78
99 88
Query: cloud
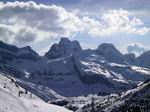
28 22
28 19
136 48
25 35
5 34
114 22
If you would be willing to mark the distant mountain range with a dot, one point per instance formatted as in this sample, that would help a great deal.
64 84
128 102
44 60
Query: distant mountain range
71 71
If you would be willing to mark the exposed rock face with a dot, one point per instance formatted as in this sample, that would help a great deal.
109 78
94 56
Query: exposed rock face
28 53
130 58
144 60
110 53
10 53
64 48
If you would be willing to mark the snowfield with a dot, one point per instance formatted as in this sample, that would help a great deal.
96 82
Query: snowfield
10 102
40 106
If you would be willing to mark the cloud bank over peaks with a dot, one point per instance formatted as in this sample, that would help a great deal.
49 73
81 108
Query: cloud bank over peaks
30 22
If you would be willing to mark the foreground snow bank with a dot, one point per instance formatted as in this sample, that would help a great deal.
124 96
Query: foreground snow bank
10 102
40 106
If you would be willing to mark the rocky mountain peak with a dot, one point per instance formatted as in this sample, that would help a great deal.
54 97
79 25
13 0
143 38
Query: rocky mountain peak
110 52
130 58
143 60
65 47
7 47
106 47
26 48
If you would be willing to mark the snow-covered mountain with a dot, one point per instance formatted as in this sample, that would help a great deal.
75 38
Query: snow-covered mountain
14 98
70 71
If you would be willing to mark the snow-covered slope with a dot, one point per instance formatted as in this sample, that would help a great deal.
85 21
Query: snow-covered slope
133 100
26 102
138 96
28 88
11 103
9 83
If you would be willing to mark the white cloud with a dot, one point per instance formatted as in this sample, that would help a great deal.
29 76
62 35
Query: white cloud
37 21
115 22
136 48
5 34
31 22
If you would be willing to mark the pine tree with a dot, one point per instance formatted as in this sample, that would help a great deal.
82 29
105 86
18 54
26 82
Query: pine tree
92 105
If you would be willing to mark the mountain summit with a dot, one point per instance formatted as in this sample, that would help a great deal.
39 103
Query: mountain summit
64 48
110 53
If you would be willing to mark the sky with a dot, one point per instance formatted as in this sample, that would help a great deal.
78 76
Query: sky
41 23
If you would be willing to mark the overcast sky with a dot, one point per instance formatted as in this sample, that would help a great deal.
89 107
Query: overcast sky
40 23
